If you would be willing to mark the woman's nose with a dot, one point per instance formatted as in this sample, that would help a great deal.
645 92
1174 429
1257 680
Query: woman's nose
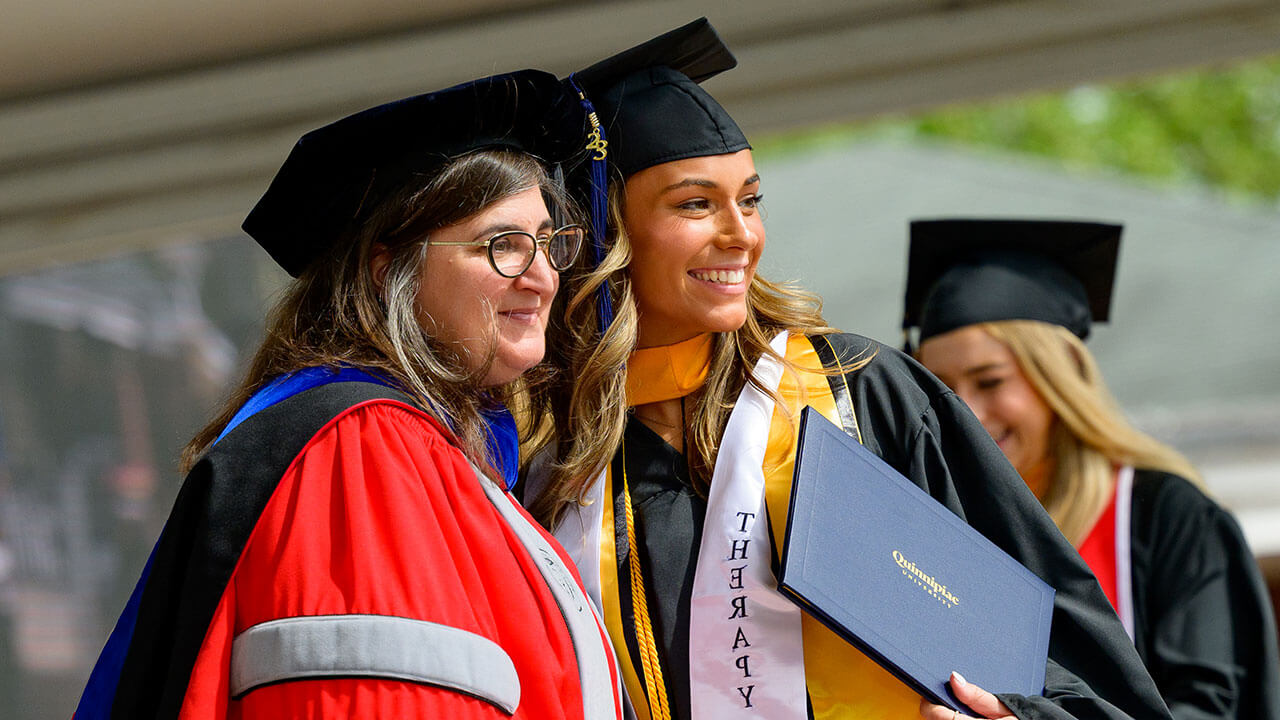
736 229
540 275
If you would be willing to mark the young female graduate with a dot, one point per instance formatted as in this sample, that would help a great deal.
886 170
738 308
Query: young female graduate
343 544
1003 307
692 451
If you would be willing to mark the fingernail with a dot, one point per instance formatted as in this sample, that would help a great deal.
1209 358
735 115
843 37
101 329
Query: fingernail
958 679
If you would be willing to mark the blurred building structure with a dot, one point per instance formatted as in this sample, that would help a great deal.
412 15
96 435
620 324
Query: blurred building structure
134 136
126 123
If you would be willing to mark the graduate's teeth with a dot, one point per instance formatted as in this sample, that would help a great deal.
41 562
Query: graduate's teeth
724 277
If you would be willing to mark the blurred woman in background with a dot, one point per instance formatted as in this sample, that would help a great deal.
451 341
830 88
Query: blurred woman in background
1003 309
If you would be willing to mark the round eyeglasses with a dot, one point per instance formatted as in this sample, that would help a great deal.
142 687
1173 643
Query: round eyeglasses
511 252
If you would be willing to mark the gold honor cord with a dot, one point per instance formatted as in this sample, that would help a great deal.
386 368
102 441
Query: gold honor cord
655 687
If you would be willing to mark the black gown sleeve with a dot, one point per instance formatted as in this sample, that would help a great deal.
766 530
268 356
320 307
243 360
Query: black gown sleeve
927 433
1203 621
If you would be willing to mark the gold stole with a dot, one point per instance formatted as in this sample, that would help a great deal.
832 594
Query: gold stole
843 683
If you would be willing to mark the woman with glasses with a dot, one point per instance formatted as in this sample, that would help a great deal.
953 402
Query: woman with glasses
671 489
344 544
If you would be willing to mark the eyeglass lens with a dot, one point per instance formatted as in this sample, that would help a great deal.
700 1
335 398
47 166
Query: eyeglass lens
512 252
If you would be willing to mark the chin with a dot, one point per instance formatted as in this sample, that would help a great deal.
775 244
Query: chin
727 322
501 374
507 367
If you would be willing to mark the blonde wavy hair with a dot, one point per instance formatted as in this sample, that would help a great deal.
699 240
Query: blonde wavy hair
337 314
589 404
1090 435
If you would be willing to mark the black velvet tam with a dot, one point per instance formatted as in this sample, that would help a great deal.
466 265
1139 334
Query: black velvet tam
963 272
337 171
651 106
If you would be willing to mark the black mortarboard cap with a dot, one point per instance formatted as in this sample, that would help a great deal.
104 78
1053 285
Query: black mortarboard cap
962 272
334 172
651 106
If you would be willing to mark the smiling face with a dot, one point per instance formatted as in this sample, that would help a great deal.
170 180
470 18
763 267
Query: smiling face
696 237
985 374
464 303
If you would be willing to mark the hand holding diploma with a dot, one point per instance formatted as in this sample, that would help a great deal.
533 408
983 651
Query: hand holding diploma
975 697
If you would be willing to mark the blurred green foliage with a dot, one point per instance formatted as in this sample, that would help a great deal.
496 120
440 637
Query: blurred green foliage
1220 127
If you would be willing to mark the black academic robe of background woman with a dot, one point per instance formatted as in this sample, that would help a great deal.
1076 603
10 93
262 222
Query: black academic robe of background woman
1202 620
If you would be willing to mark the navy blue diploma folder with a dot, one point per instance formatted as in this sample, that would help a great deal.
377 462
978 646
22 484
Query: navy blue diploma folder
892 571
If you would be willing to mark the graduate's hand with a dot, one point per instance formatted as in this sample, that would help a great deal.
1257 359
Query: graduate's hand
975 697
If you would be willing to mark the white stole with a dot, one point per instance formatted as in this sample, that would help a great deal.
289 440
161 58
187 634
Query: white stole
1124 551
746 653
745 647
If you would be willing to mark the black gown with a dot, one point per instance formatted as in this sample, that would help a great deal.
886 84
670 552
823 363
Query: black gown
922 429
1202 621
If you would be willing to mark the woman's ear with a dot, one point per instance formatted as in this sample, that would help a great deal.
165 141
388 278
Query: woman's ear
379 261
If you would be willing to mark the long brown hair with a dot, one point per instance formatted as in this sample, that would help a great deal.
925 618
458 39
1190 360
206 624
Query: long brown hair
589 404
336 314
1090 433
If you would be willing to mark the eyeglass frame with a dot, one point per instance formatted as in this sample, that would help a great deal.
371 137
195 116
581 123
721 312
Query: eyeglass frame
543 243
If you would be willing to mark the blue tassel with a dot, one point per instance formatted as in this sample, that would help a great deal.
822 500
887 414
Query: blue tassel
599 201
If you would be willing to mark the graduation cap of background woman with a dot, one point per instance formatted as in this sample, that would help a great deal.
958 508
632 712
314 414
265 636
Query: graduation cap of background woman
967 271
338 172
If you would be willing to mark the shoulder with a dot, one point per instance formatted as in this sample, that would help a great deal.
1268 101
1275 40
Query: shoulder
390 414
295 421
1162 495
1179 532
391 429
898 403
1174 509
381 460
331 420
881 364
884 379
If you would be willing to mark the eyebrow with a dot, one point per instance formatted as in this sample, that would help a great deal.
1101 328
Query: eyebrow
490 231
985 367
702 182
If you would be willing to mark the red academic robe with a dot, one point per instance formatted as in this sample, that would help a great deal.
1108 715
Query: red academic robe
376 516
